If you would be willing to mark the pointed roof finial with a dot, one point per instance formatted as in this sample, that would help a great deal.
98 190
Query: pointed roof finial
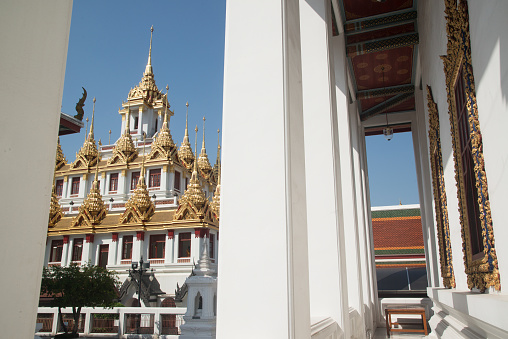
91 124
142 174
218 146
127 118
187 121
165 123
148 68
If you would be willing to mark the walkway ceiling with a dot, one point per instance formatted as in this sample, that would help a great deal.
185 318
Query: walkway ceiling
381 46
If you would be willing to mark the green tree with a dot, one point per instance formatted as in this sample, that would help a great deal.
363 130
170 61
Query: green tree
79 286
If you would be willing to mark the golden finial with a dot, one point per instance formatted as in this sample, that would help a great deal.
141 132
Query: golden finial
150 50
196 141
91 124
166 110
86 128
109 143
127 118
187 121
100 142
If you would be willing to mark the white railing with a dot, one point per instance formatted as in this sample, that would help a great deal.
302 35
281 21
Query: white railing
119 322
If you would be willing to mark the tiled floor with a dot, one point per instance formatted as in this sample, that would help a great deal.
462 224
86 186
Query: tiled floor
381 334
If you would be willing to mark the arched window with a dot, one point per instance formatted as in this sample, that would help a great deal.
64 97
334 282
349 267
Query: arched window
168 302
198 306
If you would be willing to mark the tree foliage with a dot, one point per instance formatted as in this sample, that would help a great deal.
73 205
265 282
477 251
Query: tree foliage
79 286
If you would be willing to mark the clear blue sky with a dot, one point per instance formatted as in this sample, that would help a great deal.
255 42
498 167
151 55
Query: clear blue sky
108 51
392 172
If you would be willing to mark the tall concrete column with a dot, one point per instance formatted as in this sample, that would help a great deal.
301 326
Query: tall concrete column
327 277
263 93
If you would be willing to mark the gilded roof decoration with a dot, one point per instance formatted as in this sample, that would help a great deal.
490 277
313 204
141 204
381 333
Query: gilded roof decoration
194 204
185 153
147 89
140 207
216 197
60 160
214 176
55 210
88 154
163 145
124 150
205 169
93 210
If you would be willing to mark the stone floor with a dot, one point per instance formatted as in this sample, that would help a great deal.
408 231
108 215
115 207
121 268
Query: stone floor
381 334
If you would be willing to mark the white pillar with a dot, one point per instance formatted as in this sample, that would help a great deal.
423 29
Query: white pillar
113 252
263 65
322 164
425 190
87 251
138 247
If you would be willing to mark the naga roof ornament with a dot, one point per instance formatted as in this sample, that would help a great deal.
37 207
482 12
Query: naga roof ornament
185 153
194 205
60 160
140 207
55 210
163 145
124 151
93 210
147 89
88 154
205 169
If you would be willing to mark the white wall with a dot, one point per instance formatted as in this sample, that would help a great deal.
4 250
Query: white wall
32 63
489 49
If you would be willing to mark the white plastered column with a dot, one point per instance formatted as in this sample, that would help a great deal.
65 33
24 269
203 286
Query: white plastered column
326 258
262 119
425 190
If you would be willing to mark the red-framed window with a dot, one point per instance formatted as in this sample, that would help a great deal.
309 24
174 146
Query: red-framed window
59 187
212 246
113 182
56 251
177 181
157 246
75 186
468 173
127 247
134 180
184 244
103 255
155 178
77 249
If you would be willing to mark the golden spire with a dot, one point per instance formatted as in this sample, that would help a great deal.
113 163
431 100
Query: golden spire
124 151
216 197
194 205
185 152
93 210
148 68
204 164
140 207
60 159
55 210
147 89
163 145
88 154
195 193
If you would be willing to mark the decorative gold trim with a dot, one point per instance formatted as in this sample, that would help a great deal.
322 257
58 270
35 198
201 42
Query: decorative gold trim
55 210
481 273
438 183
93 210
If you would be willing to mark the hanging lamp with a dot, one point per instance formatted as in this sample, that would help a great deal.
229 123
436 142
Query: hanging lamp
387 131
